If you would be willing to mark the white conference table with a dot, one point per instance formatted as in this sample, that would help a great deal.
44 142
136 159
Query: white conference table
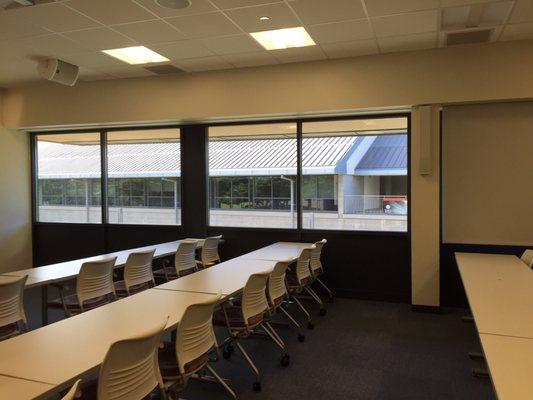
228 277
21 389
279 251
64 271
73 348
510 361
499 289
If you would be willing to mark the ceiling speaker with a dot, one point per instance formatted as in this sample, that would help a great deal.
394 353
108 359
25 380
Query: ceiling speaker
176 4
58 71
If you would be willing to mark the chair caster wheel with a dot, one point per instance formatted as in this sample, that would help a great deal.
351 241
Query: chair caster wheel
230 348
330 300
322 312
301 337
310 325
285 360
256 386
226 354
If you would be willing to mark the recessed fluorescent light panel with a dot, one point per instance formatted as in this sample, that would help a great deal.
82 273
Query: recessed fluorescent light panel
136 55
283 38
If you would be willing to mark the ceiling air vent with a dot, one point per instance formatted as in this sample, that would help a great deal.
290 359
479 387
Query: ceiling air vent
468 37
164 69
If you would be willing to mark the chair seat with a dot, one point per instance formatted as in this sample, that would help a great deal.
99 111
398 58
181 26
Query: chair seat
206 264
317 272
235 318
168 364
170 272
10 330
120 288
73 305
293 282
89 392
277 302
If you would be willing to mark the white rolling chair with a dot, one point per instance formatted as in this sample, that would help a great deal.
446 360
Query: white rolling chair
195 340
71 394
209 254
138 274
527 257
12 316
244 320
184 262
297 281
94 288
317 269
277 294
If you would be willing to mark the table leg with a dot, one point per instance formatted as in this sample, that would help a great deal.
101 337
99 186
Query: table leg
44 305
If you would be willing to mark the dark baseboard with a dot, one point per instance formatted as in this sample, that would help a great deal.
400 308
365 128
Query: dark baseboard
426 309
371 295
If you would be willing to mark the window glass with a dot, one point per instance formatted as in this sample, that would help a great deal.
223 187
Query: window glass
144 176
68 178
252 169
354 174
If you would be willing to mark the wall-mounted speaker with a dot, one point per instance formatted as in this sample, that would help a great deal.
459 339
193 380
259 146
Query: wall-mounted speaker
58 71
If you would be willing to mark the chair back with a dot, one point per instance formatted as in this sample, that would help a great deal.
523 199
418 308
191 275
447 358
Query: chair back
302 265
130 370
195 336
527 257
210 250
185 255
138 269
71 394
95 280
254 300
276 282
316 252
12 301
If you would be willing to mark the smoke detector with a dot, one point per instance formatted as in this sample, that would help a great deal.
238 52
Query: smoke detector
176 4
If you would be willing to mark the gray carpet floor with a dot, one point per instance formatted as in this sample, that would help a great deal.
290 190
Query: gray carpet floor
360 350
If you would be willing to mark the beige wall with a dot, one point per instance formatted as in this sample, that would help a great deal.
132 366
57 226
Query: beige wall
457 74
15 204
488 174
425 207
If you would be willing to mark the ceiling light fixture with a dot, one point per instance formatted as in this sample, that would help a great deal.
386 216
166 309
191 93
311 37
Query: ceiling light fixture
176 4
136 55
283 38
264 18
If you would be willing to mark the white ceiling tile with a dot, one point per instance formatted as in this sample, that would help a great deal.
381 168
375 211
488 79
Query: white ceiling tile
454 16
518 31
93 60
204 64
14 26
386 7
350 49
204 25
522 12
406 24
111 12
196 7
100 38
182 49
497 13
299 54
408 43
232 44
453 3
319 11
56 17
148 32
126 72
280 16
341 31
250 59
226 4
53 44
89 75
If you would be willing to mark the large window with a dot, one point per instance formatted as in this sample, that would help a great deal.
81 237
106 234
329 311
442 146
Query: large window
363 174
69 178
144 177
252 176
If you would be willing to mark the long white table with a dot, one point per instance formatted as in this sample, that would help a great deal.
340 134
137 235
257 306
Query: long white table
51 358
64 271
499 289
280 251
510 361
